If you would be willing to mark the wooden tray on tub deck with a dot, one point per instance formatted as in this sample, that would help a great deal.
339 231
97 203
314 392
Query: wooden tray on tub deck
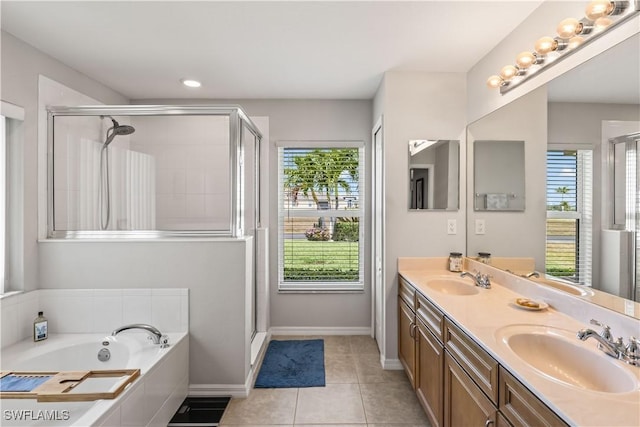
58 387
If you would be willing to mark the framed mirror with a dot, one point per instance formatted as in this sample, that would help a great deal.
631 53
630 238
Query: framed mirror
434 174
499 175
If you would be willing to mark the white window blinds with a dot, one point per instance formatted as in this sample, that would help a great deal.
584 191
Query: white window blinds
321 218
569 214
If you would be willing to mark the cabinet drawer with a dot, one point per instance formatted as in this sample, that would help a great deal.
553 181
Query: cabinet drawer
430 315
521 407
480 366
407 293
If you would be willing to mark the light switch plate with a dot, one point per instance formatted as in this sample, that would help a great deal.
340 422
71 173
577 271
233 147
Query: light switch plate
479 226
452 227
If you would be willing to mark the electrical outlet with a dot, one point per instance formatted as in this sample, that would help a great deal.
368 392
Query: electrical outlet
480 226
452 227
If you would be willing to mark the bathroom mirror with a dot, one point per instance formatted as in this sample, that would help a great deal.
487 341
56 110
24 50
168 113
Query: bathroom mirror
498 175
434 174
580 119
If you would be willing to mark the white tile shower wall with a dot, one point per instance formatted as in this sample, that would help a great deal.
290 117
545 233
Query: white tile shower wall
93 310
192 169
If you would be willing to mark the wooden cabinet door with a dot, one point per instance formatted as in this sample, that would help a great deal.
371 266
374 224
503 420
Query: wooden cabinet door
429 375
464 403
406 339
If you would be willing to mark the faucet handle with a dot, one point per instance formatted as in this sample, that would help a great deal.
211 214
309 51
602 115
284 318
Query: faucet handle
633 348
606 329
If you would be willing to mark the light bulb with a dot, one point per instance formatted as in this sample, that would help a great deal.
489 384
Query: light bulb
508 72
602 23
545 45
191 83
525 60
575 41
494 82
569 27
598 8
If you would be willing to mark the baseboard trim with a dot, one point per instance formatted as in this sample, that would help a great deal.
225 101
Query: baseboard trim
391 364
303 330
233 390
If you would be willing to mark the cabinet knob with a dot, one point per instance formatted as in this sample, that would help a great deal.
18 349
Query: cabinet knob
488 423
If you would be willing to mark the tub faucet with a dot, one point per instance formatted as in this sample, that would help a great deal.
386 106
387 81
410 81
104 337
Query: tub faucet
532 274
482 280
154 334
616 349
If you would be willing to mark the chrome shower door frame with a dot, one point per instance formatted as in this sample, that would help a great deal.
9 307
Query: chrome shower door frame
237 119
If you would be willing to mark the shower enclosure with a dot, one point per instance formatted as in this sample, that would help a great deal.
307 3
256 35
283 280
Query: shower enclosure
136 171
152 171
624 203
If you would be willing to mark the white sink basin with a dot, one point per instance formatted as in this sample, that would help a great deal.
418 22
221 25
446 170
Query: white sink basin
558 354
452 286
566 287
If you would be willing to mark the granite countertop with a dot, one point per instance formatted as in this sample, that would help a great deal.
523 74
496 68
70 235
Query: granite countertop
485 316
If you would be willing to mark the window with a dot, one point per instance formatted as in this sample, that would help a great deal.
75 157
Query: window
569 214
321 217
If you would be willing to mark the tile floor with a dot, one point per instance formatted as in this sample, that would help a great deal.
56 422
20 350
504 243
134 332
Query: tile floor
358 392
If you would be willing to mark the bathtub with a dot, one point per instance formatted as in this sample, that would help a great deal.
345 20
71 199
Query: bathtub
149 401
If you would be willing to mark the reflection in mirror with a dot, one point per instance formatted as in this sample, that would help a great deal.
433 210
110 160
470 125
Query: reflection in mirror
498 175
584 121
596 119
434 174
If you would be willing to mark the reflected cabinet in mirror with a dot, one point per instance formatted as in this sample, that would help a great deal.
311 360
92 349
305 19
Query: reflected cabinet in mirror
498 175
434 174
582 218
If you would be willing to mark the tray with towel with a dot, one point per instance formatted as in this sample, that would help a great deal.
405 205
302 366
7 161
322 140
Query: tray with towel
65 386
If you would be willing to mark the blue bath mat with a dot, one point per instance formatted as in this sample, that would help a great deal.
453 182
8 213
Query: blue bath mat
292 363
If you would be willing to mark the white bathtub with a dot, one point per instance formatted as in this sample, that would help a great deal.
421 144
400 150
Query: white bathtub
150 400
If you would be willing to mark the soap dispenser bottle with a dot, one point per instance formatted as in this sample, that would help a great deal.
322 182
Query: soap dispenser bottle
40 327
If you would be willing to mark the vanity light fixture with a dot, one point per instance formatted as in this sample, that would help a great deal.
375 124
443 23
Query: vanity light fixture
572 33
191 83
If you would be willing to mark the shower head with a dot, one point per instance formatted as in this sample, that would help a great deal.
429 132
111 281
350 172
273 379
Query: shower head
117 129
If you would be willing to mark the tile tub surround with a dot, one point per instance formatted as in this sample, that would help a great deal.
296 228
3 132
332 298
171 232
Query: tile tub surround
358 392
481 315
92 310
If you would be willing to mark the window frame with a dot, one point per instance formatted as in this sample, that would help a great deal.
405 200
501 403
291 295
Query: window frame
282 212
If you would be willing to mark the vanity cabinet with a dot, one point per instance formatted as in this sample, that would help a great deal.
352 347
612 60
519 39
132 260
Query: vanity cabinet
407 329
521 407
457 382
429 381
464 403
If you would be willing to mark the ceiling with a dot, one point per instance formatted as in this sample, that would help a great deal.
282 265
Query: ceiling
263 49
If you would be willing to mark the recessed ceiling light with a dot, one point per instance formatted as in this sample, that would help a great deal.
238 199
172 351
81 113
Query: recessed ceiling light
191 83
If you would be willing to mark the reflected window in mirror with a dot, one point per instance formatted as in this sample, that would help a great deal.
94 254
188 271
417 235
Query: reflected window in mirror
569 215
434 174
499 172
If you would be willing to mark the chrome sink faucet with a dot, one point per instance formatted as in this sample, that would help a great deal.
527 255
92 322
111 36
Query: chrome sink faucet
154 334
482 280
614 348
532 274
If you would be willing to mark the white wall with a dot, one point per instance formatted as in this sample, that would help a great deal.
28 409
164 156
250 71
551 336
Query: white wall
416 105
20 66
214 270
300 120
513 234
